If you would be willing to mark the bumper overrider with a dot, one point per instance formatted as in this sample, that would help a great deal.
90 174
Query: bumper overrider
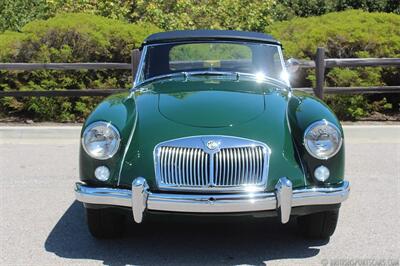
141 199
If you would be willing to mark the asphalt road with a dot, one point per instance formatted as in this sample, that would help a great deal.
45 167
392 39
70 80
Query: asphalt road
42 224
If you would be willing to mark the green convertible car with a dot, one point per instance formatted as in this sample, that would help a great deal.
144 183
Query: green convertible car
212 127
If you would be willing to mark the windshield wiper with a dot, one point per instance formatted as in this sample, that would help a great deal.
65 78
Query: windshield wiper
211 73
186 76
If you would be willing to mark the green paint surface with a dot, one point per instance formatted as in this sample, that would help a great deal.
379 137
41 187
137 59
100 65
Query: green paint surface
174 108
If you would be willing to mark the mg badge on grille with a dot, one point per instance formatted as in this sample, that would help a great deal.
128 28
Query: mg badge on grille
212 144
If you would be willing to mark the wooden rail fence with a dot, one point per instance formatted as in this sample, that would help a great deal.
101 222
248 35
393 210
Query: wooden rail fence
320 64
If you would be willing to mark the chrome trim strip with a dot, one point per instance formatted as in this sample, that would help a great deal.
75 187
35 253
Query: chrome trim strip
140 66
295 146
284 69
128 143
256 177
283 199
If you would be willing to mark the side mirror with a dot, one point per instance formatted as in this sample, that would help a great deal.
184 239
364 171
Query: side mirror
292 65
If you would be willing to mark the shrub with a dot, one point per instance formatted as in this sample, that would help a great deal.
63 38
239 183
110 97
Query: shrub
90 38
346 34
251 15
305 8
179 14
351 33
15 14
67 38
174 14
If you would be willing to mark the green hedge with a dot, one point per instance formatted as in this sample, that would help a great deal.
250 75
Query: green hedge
347 34
188 14
66 38
90 38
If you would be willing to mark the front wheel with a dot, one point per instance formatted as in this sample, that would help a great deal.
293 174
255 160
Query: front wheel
104 223
318 225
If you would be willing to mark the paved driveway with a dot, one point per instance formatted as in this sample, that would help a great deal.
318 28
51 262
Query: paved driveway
42 224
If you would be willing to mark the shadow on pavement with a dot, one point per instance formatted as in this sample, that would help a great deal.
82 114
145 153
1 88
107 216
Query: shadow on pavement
253 242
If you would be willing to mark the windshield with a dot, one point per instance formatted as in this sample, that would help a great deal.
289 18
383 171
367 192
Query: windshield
263 60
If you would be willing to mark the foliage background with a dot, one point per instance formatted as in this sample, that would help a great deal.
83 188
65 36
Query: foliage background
106 31
348 34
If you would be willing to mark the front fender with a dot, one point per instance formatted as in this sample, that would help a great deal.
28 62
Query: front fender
303 110
120 111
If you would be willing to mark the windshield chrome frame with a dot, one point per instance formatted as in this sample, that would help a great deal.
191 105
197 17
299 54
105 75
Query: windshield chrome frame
137 82
140 67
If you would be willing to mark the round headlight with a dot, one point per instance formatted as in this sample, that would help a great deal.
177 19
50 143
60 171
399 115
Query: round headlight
322 139
101 140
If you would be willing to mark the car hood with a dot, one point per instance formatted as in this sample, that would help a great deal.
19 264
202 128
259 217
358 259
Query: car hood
210 108
209 103
171 109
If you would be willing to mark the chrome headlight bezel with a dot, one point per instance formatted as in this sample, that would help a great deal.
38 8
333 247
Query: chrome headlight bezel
332 127
108 126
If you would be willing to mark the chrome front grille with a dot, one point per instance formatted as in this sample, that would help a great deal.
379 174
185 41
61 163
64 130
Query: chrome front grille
239 166
184 166
211 163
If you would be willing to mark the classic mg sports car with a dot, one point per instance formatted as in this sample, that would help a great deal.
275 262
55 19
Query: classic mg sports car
212 127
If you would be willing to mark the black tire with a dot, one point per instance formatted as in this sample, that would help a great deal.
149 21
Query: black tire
103 223
320 225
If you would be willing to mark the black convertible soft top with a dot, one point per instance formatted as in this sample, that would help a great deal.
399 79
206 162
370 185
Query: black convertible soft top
193 35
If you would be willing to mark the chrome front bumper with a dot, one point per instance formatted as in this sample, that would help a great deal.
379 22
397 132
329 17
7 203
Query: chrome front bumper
140 199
